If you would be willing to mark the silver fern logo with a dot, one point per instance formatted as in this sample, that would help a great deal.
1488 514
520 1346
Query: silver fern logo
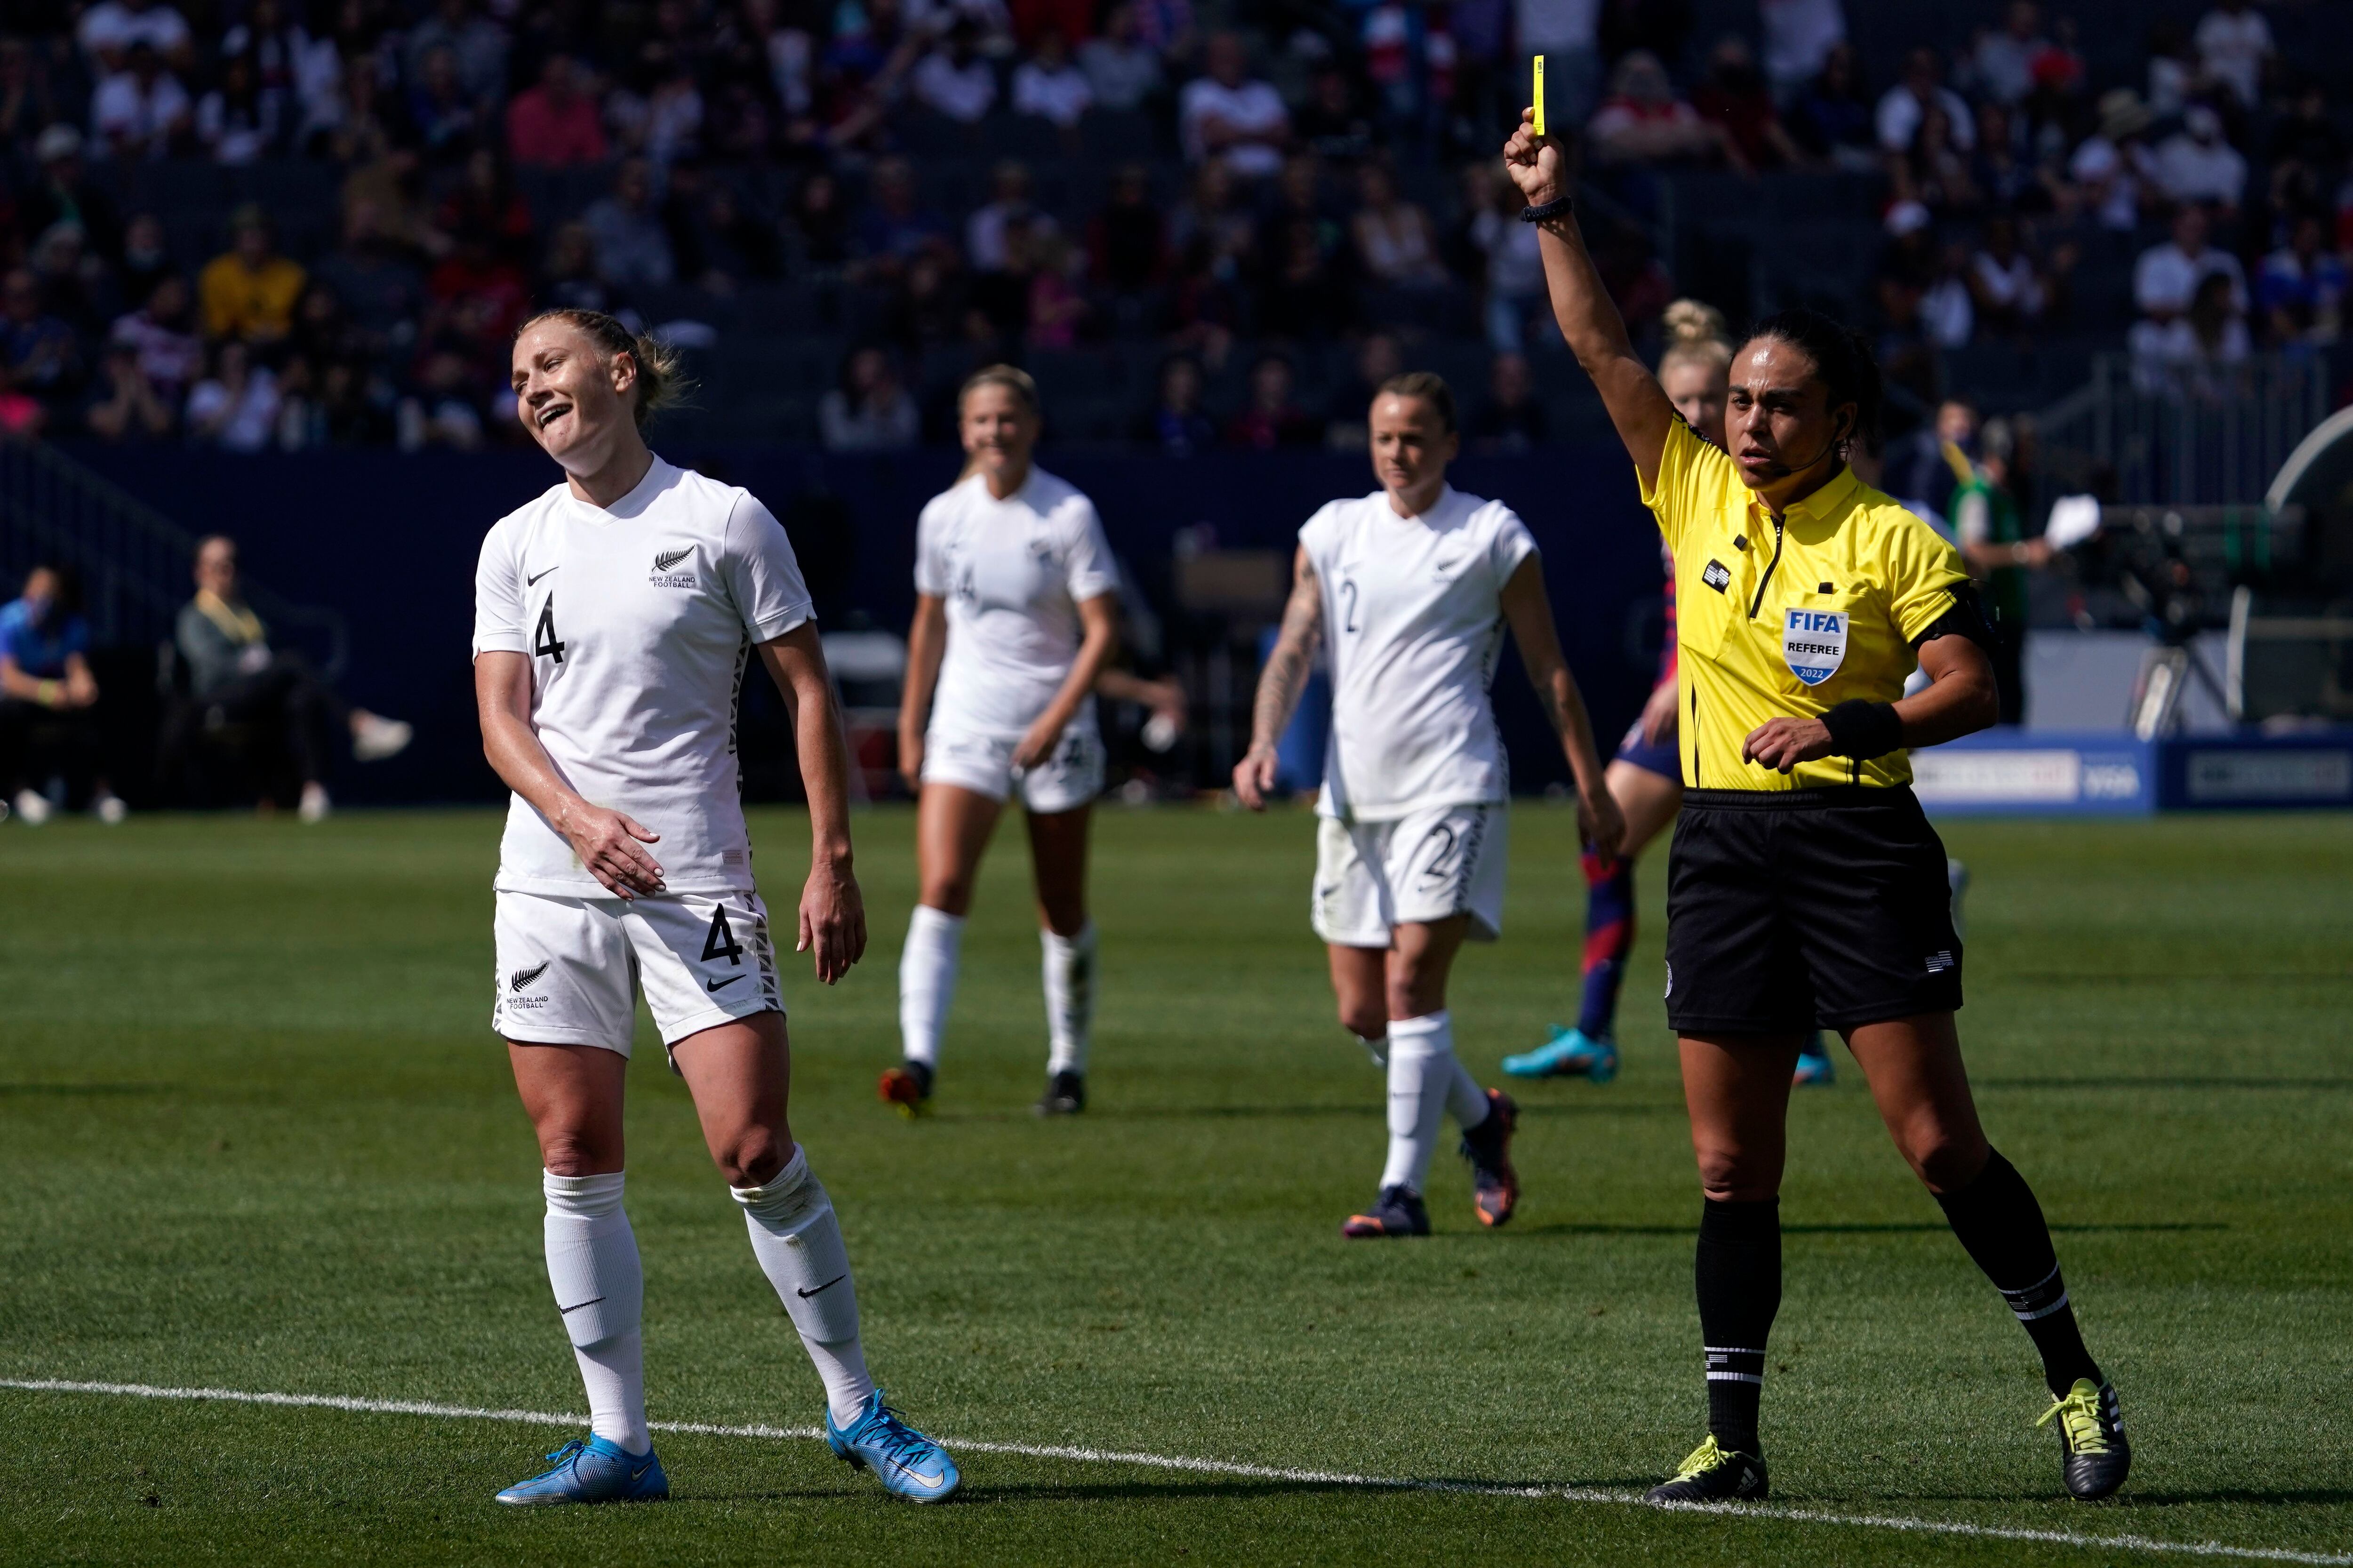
666 559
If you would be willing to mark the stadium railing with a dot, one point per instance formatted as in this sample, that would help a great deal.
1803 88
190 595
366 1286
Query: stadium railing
2199 438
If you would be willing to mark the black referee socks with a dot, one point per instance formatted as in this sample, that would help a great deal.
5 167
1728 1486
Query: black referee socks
1738 1273
2001 1227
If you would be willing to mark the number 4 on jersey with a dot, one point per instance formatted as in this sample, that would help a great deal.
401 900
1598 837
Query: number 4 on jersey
721 942
543 644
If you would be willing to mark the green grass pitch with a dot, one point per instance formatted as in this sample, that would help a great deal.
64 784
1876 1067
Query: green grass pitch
255 1135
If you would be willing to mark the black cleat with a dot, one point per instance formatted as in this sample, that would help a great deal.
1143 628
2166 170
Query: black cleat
1713 1475
907 1087
1494 1184
1066 1095
2093 1456
1398 1211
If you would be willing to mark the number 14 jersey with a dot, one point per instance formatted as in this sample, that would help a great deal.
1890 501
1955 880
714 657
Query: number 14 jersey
640 619
1413 618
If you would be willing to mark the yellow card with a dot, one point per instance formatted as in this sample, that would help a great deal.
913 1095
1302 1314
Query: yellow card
1539 98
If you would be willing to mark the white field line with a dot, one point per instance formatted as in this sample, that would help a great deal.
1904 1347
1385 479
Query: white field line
1223 1467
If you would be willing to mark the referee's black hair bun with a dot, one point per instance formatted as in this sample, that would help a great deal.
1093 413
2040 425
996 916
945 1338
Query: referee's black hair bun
1842 357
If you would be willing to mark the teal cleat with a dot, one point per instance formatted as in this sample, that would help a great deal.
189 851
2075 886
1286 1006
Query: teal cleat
1570 1053
592 1469
906 1462
1814 1068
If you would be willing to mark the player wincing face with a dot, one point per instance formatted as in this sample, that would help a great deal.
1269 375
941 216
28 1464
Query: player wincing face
577 399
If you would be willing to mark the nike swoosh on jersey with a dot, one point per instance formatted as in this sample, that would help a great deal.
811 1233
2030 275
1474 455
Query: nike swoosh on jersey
532 582
720 984
828 1285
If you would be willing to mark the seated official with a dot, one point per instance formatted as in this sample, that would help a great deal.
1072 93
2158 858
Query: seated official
48 702
236 677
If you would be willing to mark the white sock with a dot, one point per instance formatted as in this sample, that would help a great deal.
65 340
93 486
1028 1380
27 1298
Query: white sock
592 1265
798 1240
927 977
1465 1100
1421 1074
1070 997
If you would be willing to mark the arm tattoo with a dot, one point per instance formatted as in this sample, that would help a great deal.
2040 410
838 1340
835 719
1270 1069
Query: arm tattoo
1287 668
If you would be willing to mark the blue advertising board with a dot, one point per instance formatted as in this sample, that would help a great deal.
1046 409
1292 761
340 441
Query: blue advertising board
2020 772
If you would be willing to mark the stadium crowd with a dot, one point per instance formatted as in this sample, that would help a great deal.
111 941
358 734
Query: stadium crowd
1235 210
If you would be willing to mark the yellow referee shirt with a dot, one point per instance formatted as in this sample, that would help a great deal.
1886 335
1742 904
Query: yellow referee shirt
1788 620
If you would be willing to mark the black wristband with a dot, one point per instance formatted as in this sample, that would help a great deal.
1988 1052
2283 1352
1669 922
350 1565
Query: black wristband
1558 208
1864 730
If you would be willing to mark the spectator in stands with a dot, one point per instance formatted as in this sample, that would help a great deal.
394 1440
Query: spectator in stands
64 193
235 124
893 228
28 97
169 355
1511 264
2234 49
554 125
2009 293
38 355
817 221
569 279
1990 530
2001 65
449 122
984 231
1642 121
1565 33
2167 276
112 28
48 699
1395 244
486 201
1127 241
141 111
1059 312
235 407
1050 86
2196 351
1948 304
719 243
1935 170
1512 418
75 287
2300 288
1906 106
381 290
1800 38
248 291
1272 418
1122 72
2196 164
870 410
477 44
1344 427
2307 152
1333 125
127 406
632 249
1305 293
1232 117
1166 27
146 260
1832 118
235 673
2110 168
953 81
1175 426
1734 96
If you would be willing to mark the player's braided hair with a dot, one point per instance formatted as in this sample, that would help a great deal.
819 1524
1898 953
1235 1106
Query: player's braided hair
662 382
1429 386
1843 361
1695 334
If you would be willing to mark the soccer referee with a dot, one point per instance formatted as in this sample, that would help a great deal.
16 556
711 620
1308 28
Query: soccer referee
1806 886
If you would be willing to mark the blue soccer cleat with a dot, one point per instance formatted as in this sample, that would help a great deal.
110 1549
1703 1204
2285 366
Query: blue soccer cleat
1570 1053
1814 1070
906 1462
592 1469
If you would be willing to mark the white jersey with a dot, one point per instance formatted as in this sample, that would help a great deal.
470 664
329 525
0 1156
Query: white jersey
639 618
1012 572
1412 616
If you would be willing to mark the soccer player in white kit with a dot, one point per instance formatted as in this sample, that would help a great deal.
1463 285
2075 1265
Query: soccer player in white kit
615 616
1410 588
1016 613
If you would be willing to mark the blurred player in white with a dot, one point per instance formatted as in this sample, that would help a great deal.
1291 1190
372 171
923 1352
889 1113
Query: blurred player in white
1411 588
1016 613
615 616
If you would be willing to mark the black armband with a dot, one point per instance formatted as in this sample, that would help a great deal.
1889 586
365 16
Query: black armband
1966 618
1560 207
1863 730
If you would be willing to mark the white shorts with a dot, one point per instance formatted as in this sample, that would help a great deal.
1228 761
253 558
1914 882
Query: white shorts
1415 870
982 762
569 969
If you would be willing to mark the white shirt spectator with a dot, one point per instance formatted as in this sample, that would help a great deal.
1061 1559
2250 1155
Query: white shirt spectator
1123 75
846 427
169 360
1798 35
2109 178
984 232
1514 258
110 27
2233 47
2004 64
2165 279
1948 313
1571 24
2013 286
252 413
1253 109
2200 169
963 93
1061 97
1899 116
138 118
2167 357
990 16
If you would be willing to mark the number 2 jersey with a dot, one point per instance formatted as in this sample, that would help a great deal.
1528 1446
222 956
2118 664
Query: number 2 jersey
640 619
1012 572
1414 622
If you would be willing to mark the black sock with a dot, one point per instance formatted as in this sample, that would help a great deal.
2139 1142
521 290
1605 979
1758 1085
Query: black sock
1738 1273
2000 1223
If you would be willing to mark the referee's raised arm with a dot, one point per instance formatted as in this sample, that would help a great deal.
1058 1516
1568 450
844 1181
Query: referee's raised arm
1588 318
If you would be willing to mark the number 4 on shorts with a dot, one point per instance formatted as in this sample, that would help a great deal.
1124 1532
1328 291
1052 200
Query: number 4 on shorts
720 942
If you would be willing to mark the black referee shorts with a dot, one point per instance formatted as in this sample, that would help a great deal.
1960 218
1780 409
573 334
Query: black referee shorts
1797 908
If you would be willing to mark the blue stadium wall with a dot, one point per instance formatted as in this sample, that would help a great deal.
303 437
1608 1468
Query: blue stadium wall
390 540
